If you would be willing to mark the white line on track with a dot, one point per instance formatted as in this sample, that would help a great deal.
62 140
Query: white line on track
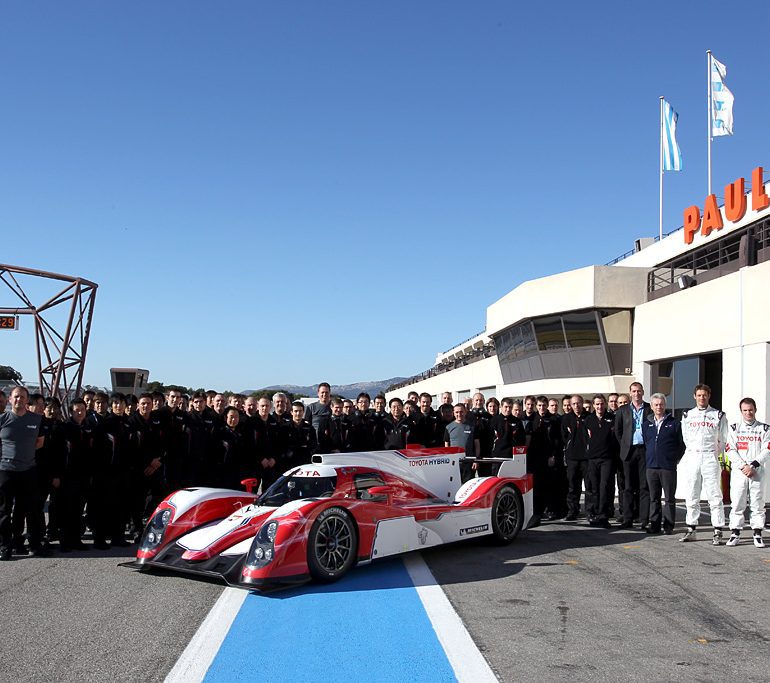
466 659
201 650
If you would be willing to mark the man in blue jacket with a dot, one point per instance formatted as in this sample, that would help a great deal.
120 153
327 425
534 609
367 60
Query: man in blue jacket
664 448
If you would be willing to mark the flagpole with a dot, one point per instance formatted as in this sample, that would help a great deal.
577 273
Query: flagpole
660 215
710 96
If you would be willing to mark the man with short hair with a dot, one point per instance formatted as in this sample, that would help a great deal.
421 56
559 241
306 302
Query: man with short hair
545 461
704 430
428 429
528 414
663 449
19 438
508 433
602 448
300 439
396 426
459 433
612 402
628 427
566 404
480 418
281 407
748 444
573 435
446 398
333 430
316 411
553 407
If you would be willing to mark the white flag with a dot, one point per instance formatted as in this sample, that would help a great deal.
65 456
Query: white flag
721 100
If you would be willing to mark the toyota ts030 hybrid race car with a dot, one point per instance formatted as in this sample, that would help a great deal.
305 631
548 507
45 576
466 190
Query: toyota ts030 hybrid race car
318 520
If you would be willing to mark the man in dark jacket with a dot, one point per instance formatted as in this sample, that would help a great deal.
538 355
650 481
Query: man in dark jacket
602 448
573 435
664 448
628 427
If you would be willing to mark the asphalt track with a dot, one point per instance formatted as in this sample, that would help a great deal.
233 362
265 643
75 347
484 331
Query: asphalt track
564 602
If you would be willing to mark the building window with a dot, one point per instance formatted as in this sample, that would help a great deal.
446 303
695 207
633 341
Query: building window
581 330
549 332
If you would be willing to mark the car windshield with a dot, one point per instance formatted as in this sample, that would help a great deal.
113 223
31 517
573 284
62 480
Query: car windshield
287 489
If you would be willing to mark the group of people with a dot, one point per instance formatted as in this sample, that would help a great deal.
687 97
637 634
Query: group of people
115 457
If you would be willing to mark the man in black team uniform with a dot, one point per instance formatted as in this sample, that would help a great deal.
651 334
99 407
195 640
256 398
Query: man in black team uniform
480 418
100 504
545 460
362 426
334 430
300 440
267 433
179 472
378 415
428 430
148 485
76 477
119 428
201 425
508 431
602 450
396 426
574 438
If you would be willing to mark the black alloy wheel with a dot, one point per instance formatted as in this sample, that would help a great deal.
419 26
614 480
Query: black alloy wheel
507 515
331 545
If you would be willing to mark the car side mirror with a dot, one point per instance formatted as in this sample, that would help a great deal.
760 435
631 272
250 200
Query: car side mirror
250 484
380 494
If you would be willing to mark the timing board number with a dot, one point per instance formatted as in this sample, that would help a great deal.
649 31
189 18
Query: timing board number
9 322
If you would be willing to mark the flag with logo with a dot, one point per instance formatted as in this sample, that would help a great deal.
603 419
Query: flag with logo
721 100
672 156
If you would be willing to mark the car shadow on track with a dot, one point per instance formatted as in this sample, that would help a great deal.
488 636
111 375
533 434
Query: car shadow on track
473 561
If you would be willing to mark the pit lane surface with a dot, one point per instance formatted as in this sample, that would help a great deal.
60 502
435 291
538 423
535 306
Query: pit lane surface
562 602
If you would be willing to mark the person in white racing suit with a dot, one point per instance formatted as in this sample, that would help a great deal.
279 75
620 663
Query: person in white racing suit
704 430
748 444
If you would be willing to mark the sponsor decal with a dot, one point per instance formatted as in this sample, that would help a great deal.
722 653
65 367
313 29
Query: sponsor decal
423 536
307 473
421 462
702 423
474 529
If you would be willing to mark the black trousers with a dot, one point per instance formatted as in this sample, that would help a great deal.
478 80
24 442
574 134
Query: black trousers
635 473
20 489
577 473
662 481
601 474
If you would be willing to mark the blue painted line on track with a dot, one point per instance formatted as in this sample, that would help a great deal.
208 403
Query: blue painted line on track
370 626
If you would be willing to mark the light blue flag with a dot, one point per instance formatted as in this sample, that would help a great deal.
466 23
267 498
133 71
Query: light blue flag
721 100
672 156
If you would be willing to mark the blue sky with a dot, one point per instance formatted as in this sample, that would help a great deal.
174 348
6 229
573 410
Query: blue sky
303 191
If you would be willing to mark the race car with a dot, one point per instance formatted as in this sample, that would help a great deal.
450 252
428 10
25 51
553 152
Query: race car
319 520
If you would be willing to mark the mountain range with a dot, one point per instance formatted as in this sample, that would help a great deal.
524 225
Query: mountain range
345 390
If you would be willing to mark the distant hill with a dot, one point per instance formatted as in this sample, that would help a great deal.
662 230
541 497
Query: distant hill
345 390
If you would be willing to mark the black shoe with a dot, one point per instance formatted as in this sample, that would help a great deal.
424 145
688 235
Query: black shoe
645 527
79 545
652 530
64 548
39 551
535 521
101 545
668 531
6 555
626 525
20 549
571 517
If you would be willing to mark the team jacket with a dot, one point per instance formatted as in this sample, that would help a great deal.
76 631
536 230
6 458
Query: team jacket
509 432
663 446
704 430
748 444
601 441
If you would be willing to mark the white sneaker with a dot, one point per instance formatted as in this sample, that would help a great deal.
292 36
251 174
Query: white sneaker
734 539
759 541
689 535
717 540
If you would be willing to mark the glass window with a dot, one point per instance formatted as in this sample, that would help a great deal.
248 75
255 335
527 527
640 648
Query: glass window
524 342
617 326
581 330
550 335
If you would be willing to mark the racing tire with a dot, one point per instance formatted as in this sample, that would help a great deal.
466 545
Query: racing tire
332 545
507 515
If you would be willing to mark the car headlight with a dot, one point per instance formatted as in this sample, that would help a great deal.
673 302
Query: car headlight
262 547
155 530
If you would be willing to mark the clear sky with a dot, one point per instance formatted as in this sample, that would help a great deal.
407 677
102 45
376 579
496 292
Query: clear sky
290 192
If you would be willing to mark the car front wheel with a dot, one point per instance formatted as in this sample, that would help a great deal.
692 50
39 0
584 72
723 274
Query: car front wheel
331 545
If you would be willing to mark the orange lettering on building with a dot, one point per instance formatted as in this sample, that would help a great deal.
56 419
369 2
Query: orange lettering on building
759 199
712 218
735 200
691 223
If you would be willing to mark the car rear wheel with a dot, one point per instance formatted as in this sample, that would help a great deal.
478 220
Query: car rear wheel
331 545
507 515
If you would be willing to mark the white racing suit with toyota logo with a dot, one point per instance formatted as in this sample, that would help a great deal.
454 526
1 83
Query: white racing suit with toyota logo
747 444
704 431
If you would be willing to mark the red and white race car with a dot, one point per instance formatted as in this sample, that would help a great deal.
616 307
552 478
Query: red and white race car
319 520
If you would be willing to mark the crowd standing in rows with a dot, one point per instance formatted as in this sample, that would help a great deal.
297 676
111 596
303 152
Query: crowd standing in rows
116 457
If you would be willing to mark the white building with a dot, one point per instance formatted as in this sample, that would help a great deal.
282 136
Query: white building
689 308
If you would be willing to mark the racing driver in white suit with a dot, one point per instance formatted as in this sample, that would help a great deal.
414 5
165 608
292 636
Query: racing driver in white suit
748 442
704 430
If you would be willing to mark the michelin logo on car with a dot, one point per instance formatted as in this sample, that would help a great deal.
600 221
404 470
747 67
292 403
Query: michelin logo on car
474 530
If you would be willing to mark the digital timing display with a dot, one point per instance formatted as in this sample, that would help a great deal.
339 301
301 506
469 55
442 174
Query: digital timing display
9 322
